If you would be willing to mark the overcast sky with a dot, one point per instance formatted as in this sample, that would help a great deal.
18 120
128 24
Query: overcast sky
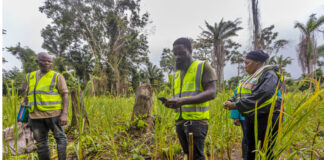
172 19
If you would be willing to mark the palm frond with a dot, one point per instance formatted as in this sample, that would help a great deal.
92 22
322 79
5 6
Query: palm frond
318 23
301 27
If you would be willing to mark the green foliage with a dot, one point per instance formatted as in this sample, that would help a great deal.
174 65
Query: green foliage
235 56
139 122
136 78
281 62
167 62
305 83
155 76
201 50
27 57
320 50
102 37
221 31
58 64
232 83
291 84
17 77
269 41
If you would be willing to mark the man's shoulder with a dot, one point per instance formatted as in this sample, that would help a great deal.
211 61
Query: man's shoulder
58 75
207 65
55 73
208 73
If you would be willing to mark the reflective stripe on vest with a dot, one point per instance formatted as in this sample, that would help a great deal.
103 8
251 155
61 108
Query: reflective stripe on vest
190 86
242 92
46 94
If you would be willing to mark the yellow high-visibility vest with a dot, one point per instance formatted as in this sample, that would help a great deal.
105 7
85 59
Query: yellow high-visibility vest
44 95
242 91
191 86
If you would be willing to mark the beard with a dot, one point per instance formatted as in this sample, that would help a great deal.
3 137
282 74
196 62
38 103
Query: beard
183 64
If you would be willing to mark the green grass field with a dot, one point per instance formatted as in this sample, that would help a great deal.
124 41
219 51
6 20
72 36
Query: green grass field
301 135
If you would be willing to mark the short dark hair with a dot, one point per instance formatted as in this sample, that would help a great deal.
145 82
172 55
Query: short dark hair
184 41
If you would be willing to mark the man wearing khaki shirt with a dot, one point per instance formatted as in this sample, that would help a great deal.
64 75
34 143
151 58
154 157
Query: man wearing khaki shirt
48 100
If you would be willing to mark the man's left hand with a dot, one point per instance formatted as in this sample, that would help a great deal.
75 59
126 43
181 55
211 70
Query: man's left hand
63 119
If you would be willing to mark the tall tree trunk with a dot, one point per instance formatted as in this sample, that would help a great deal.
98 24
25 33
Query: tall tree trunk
219 51
214 60
114 65
112 88
309 67
117 81
256 24
238 69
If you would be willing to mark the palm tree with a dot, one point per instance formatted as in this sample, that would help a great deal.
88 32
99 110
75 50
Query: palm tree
281 62
307 53
216 35
154 74
167 62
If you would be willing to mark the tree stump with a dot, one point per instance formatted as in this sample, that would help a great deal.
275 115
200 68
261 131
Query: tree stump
142 120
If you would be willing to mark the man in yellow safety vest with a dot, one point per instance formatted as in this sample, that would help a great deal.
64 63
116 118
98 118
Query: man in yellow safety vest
47 100
194 85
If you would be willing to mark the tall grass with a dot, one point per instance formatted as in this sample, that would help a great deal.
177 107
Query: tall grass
10 108
300 135
12 100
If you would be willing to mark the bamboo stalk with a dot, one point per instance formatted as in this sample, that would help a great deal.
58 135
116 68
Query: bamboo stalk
191 146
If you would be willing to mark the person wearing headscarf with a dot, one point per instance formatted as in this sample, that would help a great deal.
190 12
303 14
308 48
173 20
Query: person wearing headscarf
258 89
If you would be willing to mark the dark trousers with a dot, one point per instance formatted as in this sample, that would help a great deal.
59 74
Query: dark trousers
40 129
262 127
199 134
244 140
243 125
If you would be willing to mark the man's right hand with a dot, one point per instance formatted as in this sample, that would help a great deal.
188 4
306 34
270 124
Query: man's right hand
63 119
23 104
173 103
